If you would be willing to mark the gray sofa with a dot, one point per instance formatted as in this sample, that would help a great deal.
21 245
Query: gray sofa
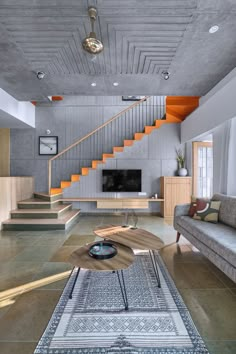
215 241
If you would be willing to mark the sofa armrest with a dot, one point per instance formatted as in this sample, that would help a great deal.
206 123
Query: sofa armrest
181 209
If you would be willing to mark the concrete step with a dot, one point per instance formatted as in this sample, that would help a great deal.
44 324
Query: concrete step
47 197
62 223
54 213
36 203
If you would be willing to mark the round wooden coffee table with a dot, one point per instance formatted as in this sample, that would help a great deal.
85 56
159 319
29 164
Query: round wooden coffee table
134 238
122 260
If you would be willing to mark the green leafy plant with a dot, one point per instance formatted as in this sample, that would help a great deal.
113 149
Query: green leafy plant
180 158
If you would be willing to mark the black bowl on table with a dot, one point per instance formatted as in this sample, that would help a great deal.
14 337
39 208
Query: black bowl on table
102 250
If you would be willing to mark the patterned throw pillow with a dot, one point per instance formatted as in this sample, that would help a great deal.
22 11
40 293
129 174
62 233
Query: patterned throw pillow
193 206
207 210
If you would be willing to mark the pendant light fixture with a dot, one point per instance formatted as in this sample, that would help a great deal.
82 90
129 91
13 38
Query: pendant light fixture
91 44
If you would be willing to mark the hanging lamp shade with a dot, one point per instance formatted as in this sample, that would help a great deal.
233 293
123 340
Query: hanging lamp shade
91 44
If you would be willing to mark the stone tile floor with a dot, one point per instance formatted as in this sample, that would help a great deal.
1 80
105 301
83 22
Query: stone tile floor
34 269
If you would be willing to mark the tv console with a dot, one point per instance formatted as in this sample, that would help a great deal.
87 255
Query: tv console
117 203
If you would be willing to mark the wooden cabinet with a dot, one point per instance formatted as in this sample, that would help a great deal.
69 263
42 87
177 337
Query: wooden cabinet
12 190
174 190
118 203
122 204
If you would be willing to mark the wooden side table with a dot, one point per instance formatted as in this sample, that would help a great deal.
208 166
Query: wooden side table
122 260
134 238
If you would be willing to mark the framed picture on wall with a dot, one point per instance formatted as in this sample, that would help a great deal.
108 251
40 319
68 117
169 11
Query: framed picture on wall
132 98
48 145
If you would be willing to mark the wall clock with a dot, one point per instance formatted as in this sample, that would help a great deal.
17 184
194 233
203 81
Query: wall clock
48 145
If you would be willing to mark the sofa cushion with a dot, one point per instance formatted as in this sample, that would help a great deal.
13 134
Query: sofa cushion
207 210
219 237
227 213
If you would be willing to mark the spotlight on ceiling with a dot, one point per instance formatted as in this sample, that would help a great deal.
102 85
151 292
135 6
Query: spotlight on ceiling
40 75
93 84
91 44
214 29
165 74
115 83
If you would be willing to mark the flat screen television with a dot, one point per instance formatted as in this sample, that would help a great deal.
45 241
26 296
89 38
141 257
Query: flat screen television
121 180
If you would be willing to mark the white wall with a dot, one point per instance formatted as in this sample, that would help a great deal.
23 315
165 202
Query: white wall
218 106
15 114
224 158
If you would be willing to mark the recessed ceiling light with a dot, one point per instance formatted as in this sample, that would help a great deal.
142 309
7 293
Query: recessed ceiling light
93 84
214 29
115 83
40 75
165 74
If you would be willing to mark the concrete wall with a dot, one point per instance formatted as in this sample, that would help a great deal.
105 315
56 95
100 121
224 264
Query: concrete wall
216 107
154 155
73 118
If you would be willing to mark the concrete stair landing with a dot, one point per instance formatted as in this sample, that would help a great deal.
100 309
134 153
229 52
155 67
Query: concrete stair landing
43 212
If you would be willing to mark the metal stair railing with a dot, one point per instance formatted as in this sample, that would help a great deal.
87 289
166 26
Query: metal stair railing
113 132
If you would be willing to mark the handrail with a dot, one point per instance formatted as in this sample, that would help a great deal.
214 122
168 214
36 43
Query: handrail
86 137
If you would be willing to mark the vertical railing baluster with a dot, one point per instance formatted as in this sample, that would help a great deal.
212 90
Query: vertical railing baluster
146 115
121 127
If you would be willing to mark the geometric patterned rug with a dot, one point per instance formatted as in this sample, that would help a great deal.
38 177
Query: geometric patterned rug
95 321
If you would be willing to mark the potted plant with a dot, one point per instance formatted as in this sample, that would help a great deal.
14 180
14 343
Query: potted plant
182 171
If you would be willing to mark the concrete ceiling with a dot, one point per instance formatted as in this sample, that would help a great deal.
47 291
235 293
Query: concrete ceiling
141 38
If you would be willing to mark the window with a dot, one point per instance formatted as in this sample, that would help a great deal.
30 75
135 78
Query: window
202 169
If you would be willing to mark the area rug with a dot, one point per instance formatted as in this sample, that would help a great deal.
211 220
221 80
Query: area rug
94 320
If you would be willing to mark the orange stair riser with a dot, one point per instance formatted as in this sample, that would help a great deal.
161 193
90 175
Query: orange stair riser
139 136
118 149
55 191
107 156
180 106
65 184
85 171
182 100
148 130
170 112
158 123
75 178
184 111
128 142
96 163
172 119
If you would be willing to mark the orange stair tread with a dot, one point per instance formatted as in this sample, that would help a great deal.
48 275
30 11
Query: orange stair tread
56 190
182 100
128 142
65 184
139 136
95 163
108 155
118 148
75 178
149 129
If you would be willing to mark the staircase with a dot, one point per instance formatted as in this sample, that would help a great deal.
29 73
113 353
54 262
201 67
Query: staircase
43 212
47 211
180 106
177 108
